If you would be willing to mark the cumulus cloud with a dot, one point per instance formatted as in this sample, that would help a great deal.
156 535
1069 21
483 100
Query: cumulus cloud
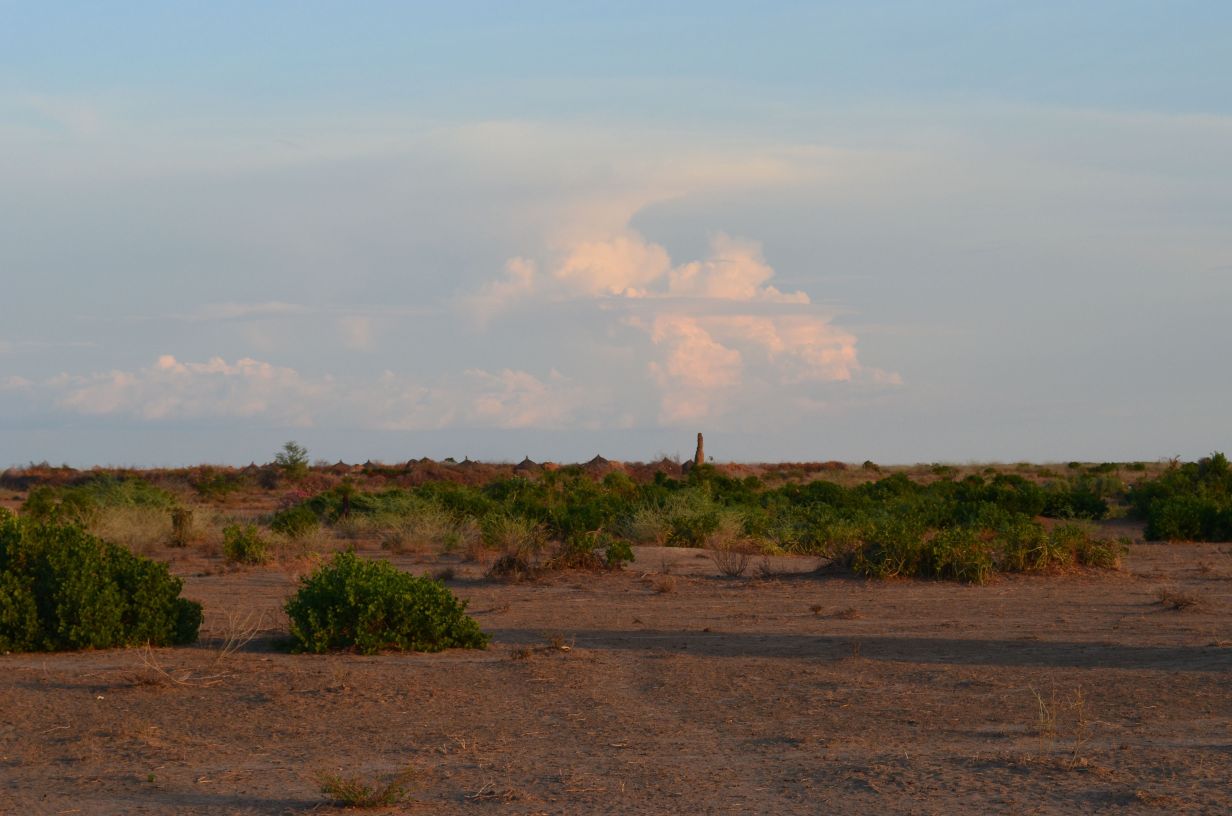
718 330
624 265
495 296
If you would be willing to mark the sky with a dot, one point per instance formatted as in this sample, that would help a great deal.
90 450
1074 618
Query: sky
938 231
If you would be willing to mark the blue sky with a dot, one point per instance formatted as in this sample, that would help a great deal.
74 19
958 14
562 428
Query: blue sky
899 231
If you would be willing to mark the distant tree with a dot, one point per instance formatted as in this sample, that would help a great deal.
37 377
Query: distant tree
293 459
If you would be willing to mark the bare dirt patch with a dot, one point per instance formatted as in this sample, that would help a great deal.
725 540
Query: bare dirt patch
785 691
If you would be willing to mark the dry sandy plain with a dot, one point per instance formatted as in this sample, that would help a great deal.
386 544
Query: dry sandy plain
786 692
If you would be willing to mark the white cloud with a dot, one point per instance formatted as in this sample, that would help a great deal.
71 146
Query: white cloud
719 331
480 399
173 390
496 296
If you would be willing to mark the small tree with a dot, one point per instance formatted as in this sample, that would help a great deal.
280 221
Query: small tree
293 459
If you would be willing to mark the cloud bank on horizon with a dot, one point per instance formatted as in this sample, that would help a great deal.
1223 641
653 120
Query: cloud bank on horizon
788 229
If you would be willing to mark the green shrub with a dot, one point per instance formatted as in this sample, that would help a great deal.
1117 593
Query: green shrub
894 549
369 606
1101 552
596 550
244 544
513 535
62 588
215 484
83 503
616 552
957 554
295 522
1025 546
1191 502
692 517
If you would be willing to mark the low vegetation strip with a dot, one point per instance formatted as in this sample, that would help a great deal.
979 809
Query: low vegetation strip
944 522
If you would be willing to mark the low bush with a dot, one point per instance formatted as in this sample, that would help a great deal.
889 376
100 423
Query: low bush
294 522
369 606
593 551
63 588
1189 502
513 535
958 554
244 544
894 549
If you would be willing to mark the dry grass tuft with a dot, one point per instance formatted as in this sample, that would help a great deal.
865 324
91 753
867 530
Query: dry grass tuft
1176 600
144 530
663 584
236 632
354 791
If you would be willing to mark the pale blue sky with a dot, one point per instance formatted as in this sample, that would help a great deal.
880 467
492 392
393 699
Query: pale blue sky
905 231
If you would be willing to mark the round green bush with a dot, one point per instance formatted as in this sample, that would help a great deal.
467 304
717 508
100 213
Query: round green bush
368 606
62 588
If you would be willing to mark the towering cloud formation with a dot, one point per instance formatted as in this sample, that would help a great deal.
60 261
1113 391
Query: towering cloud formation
718 330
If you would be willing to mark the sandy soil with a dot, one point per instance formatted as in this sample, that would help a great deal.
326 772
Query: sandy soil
795 693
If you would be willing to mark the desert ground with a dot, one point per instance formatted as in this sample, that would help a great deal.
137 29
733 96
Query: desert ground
663 688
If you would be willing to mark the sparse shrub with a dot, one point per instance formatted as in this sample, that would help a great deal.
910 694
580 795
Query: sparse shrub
244 544
139 529
181 527
294 522
664 584
215 484
427 528
648 525
369 606
513 535
63 588
731 557
356 792
463 535
1101 552
1176 600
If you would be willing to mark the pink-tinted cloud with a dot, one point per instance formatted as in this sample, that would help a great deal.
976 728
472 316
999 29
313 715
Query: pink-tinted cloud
624 265
717 327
